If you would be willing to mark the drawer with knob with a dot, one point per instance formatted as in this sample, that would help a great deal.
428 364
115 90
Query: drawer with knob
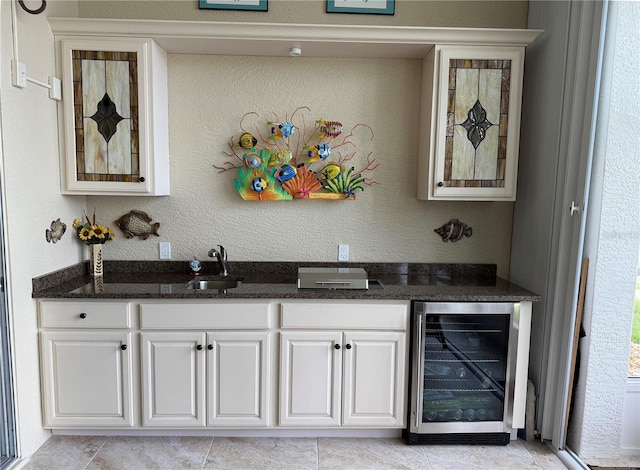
245 315
53 314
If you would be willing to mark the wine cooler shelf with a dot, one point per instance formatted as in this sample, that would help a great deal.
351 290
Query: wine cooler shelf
449 406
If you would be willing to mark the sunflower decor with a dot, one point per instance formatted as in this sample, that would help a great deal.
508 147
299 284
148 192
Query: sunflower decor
92 233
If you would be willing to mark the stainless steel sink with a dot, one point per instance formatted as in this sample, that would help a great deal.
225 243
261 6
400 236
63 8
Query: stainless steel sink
214 284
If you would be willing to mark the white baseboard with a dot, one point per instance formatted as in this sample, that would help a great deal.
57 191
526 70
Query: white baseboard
369 433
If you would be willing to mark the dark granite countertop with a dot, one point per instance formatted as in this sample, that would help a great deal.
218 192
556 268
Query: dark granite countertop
278 280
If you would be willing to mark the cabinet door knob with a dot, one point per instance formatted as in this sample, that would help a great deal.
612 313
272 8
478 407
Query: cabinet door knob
337 346
210 347
83 315
440 184
123 347
141 179
199 347
348 346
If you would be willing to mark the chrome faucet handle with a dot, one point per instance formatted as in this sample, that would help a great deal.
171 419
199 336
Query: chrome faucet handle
221 256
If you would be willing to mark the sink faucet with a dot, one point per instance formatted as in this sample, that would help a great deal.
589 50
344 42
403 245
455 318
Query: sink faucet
221 256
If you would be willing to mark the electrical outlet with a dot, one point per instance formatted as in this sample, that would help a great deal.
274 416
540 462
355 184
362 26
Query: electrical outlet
165 250
343 252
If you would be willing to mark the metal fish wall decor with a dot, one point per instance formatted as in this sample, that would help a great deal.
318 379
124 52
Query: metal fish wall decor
56 231
453 231
137 224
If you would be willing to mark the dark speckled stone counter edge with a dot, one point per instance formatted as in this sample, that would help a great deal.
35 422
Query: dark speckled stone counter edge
277 280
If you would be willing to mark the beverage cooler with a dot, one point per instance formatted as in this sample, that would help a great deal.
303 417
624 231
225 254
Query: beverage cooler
464 365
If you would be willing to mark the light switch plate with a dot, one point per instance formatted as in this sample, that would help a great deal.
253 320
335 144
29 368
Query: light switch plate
165 250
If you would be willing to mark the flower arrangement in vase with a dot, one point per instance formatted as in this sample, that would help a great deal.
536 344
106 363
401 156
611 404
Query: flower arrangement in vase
94 235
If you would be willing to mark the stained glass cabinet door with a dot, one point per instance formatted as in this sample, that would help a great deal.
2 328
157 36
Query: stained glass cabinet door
471 123
115 117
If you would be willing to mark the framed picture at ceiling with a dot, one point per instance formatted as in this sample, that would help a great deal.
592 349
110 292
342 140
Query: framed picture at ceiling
257 5
380 7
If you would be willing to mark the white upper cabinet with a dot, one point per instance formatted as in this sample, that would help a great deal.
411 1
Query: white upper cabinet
482 159
470 126
115 116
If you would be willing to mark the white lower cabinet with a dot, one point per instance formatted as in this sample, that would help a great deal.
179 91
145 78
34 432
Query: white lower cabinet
173 370
310 377
86 372
336 378
205 378
193 365
184 374
343 378
373 379
238 379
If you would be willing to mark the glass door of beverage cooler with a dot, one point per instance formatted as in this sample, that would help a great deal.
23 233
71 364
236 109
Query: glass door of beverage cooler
461 371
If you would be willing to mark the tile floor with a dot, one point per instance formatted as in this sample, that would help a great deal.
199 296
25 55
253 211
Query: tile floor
178 453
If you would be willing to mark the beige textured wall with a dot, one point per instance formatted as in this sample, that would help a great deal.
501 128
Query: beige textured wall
208 95
471 13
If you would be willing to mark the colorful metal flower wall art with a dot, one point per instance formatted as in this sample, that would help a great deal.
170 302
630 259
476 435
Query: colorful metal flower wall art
299 158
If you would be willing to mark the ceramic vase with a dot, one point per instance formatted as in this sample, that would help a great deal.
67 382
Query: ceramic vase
98 284
95 260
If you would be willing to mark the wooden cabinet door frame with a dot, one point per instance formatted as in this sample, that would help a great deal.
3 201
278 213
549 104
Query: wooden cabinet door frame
173 371
310 378
87 379
238 378
374 381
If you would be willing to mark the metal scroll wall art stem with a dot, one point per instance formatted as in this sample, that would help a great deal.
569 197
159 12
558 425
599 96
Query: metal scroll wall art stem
299 157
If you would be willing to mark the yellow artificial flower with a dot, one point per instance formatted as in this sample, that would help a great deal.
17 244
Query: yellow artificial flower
99 231
92 233
85 234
